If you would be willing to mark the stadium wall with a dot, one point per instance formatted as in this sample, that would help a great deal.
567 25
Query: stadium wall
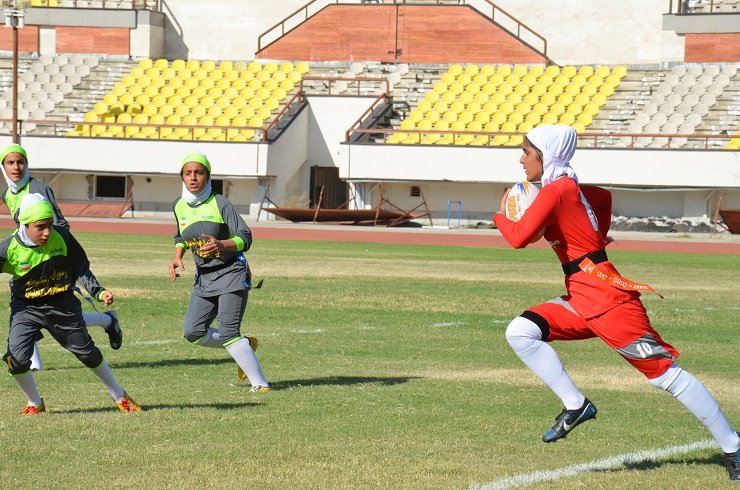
599 31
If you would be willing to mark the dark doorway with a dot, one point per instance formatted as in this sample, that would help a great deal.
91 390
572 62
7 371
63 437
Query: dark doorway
335 189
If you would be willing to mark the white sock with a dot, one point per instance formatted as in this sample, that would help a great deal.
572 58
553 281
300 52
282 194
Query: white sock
212 339
244 356
96 319
694 396
525 337
36 364
27 385
105 375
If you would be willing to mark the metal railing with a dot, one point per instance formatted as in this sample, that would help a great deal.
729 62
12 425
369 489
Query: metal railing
637 141
504 19
62 128
689 7
497 15
153 5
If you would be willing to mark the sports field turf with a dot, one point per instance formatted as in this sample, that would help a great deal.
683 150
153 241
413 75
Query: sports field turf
390 370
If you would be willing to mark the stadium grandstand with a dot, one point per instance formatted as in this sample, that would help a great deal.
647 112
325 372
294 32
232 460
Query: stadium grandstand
349 103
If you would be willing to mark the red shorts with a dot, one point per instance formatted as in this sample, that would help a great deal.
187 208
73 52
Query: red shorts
625 328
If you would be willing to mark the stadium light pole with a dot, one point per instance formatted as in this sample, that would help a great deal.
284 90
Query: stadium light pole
14 19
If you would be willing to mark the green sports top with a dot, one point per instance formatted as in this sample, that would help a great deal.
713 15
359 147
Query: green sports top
43 272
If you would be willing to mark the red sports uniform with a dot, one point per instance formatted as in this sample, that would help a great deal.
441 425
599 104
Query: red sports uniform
591 307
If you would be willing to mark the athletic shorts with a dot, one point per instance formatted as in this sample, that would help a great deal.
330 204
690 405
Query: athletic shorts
625 328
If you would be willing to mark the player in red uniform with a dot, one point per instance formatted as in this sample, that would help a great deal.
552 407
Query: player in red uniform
599 302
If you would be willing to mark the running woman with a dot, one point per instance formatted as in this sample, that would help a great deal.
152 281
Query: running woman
599 302
209 225
15 172
45 263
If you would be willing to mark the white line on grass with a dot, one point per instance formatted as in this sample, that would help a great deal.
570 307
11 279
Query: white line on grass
596 465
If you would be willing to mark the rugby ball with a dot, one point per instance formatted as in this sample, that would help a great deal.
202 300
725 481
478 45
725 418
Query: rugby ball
520 197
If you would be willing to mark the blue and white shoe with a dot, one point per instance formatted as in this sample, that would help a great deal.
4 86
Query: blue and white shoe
568 420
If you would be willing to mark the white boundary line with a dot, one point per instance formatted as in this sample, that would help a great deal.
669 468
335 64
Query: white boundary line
596 465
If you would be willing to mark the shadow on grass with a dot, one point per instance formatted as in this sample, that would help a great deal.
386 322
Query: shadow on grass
653 465
168 406
339 381
151 364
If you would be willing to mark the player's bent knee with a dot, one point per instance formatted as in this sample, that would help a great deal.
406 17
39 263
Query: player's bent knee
14 366
522 327
91 359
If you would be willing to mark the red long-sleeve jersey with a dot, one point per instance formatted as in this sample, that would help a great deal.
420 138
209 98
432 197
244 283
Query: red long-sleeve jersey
559 210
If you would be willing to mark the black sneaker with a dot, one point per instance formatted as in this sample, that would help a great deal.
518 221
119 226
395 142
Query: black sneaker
568 420
115 336
732 463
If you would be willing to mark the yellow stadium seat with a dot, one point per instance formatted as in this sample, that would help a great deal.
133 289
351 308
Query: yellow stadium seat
506 108
149 110
166 110
550 118
555 89
574 108
540 108
302 68
487 70
456 88
214 111
582 99
620 71
573 90
589 90
491 127
537 71
569 71
516 118
182 110
463 78
490 107
552 71
499 118
481 98
548 99
579 127
519 71
272 104
533 118
145 63
466 98
472 70
457 107
432 116
557 108
483 117
455 69
591 108
450 116
586 71
521 89
584 118
161 64
606 90
599 99
595 81
567 118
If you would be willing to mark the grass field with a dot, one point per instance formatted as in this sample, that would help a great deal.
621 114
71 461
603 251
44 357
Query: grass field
390 370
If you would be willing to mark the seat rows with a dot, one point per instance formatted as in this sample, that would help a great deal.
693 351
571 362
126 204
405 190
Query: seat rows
234 99
43 84
505 98
680 103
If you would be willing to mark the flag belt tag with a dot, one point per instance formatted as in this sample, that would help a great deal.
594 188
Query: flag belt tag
615 280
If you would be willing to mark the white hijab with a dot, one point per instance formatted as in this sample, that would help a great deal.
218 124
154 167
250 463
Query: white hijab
199 198
16 186
557 144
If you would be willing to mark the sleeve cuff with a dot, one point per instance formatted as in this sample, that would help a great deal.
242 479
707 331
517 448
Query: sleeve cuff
100 294
239 243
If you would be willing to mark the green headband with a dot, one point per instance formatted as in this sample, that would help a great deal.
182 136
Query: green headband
13 149
36 212
197 158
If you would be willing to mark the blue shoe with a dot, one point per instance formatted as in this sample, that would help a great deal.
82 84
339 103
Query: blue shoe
115 336
568 420
732 463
